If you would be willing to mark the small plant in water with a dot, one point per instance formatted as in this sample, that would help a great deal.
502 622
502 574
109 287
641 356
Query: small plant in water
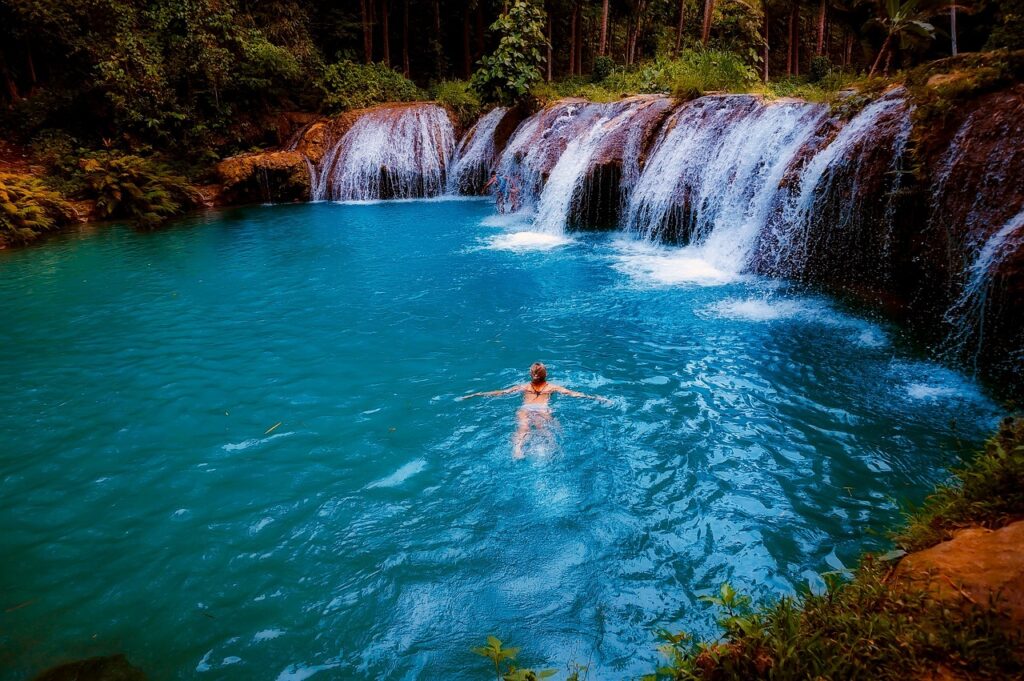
498 654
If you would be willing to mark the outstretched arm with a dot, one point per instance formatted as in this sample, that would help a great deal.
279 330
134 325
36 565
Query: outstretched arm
572 393
495 393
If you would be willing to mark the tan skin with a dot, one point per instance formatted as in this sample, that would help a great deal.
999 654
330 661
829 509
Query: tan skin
536 411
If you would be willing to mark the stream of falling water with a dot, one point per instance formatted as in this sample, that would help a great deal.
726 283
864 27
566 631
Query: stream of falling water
390 152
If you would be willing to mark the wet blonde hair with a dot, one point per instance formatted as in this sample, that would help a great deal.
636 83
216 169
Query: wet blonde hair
538 371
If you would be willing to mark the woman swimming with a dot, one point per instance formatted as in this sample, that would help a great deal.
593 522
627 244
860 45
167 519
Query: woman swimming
535 411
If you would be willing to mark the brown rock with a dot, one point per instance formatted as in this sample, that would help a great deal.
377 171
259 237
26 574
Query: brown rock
976 567
265 176
112 668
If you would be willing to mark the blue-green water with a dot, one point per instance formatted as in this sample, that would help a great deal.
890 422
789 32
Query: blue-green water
148 504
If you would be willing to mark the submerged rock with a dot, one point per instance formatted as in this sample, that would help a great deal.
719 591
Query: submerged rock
110 668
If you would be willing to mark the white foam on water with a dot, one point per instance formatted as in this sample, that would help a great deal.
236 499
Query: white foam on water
520 219
401 475
298 672
253 442
923 391
759 310
926 382
650 264
267 634
527 241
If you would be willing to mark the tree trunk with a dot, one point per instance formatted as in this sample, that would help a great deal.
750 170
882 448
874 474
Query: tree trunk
550 42
952 27
679 28
604 28
366 10
439 61
709 10
385 44
789 45
820 48
579 44
878 59
480 29
848 53
467 54
764 76
405 37
795 39
572 39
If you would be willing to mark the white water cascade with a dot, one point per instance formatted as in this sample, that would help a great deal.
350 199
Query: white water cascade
789 237
966 316
711 178
567 177
389 152
477 154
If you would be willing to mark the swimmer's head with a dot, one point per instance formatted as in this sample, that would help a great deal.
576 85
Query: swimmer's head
538 372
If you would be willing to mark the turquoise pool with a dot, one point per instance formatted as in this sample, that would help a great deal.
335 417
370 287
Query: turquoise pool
232 449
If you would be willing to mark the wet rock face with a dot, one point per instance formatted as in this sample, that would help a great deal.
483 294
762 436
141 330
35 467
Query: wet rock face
973 235
265 177
112 668
975 567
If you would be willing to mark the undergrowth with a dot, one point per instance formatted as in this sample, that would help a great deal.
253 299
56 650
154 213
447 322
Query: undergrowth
28 209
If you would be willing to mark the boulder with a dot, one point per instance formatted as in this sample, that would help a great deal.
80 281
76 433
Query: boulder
270 176
976 567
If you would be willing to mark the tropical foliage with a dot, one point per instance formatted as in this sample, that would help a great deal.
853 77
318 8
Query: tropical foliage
136 189
506 75
28 209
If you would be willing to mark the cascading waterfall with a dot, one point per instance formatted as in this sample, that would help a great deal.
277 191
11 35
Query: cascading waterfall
788 237
539 141
389 152
476 155
554 153
966 316
712 176
567 177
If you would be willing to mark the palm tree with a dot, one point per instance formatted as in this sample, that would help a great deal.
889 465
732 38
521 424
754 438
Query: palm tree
909 17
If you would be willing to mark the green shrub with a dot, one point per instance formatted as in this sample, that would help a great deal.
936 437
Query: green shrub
347 85
28 208
507 75
821 66
603 67
137 189
459 98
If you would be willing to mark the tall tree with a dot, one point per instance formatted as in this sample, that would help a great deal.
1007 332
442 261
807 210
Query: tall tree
385 42
405 37
907 18
679 28
709 10
603 45
366 10
819 49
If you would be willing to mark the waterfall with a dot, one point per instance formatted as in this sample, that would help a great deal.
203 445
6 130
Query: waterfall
966 316
829 196
714 172
389 152
476 155
553 154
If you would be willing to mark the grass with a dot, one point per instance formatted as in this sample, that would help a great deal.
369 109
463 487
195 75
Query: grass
691 74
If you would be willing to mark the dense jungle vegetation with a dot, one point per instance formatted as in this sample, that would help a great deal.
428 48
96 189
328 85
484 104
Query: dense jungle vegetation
127 102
